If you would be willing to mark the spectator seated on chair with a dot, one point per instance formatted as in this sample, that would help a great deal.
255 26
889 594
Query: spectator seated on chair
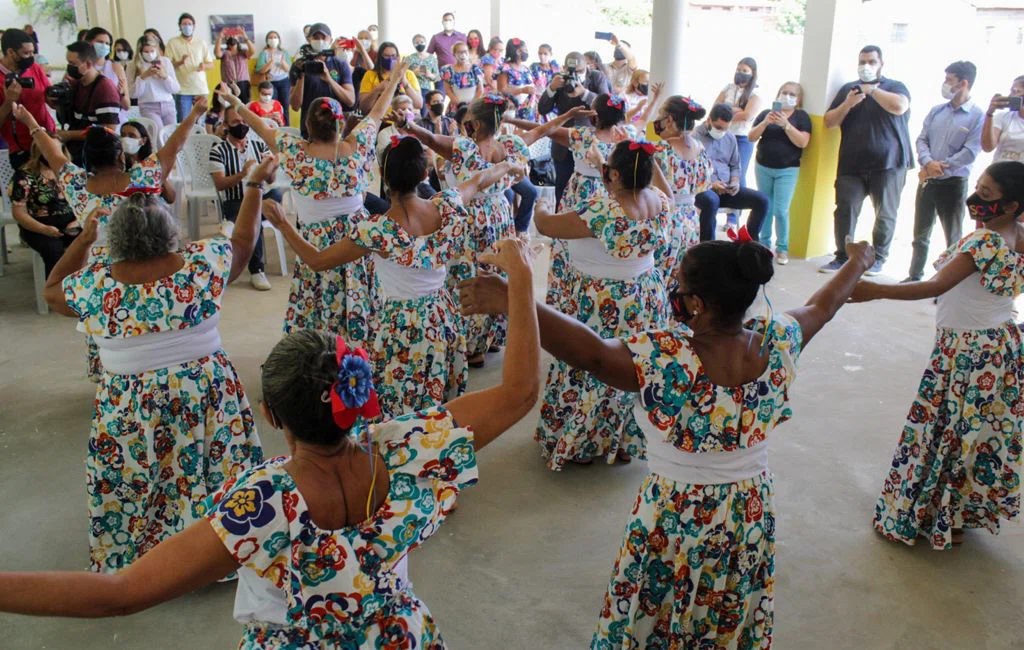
45 220
137 146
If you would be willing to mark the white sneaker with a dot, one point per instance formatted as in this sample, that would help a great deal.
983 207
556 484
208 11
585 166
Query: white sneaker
259 281
781 258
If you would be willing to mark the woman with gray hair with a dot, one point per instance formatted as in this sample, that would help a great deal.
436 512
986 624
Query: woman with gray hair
172 423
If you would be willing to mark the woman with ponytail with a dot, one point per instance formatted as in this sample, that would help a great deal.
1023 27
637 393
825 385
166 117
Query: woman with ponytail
329 175
696 568
418 349
490 213
689 172
318 537
613 287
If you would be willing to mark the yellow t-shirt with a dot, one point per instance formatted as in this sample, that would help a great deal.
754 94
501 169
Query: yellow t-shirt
190 78
371 81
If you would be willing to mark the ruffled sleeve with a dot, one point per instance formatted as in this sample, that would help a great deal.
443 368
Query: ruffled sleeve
365 135
454 218
998 265
147 174
72 180
516 148
666 369
786 341
446 73
81 293
287 144
378 233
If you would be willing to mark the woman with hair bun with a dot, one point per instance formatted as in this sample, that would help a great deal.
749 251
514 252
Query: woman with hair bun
330 177
172 423
490 213
958 460
697 564
612 286
418 349
318 537
689 172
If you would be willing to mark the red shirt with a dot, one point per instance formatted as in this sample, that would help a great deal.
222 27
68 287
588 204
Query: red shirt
34 99
276 108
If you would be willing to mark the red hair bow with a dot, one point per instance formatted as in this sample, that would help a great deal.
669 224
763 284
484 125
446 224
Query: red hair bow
353 395
494 99
334 107
396 140
691 104
615 101
742 235
648 147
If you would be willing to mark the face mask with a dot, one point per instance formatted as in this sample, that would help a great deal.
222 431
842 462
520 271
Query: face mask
448 25
619 55
26 63
420 47
345 55
523 56
437 109
131 146
948 92
149 57
121 55
545 58
273 42
867 73
365 42
462 57
266 99
642 89
474 42
319 46
243 47
186 30
388 62
678 305
716 134
742 78
983 210
659 126
102 50
787 100
74 72
239 131
606 175
468 128
373 33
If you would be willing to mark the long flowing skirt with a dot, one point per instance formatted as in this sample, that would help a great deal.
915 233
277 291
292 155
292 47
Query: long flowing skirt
162 441
577 190
583 418
684 234
419 354
696 569
341 300
491 220
958 460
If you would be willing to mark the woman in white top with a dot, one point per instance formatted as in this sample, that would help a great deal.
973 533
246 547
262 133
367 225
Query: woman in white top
154 83
1004 133
742 95
103 42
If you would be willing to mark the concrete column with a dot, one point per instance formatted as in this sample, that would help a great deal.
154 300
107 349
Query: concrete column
667 49
386 15
495 21
829 59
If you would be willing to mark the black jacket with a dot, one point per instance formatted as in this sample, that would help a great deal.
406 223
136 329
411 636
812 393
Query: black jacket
595 83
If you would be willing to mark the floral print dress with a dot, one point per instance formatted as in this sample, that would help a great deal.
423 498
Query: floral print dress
490 219
687 178
580 188
582 418
144 176
340 586
463 83
526 105
419 345
958 460
697 563
162 440
340 300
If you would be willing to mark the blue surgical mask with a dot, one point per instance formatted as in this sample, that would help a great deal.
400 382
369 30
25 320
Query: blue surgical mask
102 50
186 30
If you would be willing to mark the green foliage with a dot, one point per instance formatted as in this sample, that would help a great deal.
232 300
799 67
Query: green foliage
625 12
58 13
791 16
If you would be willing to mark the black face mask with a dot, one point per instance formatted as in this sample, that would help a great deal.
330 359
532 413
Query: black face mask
643 88
523 56
659 126
239 131
678 305
420 47
26 63
437 109
741 78
74 72
983 210
619 55
468 126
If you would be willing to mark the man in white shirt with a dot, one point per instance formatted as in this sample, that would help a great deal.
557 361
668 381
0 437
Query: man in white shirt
191 58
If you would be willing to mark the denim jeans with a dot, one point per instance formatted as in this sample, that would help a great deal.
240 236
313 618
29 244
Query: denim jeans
527 197
563 172
183 105
746 149
778 185
746 199
282 89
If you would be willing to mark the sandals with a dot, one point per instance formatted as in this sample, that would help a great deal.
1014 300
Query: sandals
475 361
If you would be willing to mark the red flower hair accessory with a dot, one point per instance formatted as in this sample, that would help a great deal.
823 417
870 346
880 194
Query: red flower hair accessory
353 395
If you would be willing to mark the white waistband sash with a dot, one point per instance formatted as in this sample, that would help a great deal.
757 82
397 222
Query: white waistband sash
584 168
703 468
683 200
313 210
137 354
399 282
589 257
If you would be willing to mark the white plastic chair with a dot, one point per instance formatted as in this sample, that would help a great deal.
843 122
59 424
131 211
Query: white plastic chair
201 187
227 227
291 129
6 213
165 134
39 282
150 127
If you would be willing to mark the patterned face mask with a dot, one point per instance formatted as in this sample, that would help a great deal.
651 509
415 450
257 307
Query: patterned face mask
983 210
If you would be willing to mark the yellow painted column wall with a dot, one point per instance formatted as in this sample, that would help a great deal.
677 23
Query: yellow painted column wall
810 214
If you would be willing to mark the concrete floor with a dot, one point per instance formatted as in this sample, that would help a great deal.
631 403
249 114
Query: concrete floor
524 562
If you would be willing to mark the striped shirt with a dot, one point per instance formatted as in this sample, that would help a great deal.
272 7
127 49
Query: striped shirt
97 103
229 160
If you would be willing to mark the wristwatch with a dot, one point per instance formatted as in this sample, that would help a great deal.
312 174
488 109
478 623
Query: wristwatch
254 184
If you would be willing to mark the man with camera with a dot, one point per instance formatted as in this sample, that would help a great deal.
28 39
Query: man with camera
574 87
25 82
91 100
318 72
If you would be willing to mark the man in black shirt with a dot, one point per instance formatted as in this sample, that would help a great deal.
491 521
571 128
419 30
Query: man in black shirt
874 154
333 80
574 87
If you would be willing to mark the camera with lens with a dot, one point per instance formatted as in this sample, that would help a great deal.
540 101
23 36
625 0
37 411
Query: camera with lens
60 96
24 82
571 82
313 61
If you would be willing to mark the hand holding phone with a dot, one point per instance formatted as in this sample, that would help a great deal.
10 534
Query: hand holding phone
603 36
1014 103
776 107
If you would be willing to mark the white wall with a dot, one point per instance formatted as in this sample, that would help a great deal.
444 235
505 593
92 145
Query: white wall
49 43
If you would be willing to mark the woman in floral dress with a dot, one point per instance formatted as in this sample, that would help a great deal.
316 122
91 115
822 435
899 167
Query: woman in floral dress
105 179
614 288
516 80
688 169
958 460
490 213
320 533
696 568
418 351
172 422
544 71
329 176
463 81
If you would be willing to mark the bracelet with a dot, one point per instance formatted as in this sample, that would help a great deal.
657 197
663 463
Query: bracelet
258 186
32 133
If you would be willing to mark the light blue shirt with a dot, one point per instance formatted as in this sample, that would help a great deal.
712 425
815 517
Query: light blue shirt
953 136
724 153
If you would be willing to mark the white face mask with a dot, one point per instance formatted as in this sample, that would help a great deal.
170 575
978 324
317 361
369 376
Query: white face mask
448 25
867 72
787 100
319 46
273 42
266 99
716 134
122 55
373 33
462 57
345 55
149 57
948 92
131 146
366 43
243 47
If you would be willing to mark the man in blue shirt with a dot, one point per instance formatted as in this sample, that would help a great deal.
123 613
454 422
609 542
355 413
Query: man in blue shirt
721 147
874 154
950 140
328 75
